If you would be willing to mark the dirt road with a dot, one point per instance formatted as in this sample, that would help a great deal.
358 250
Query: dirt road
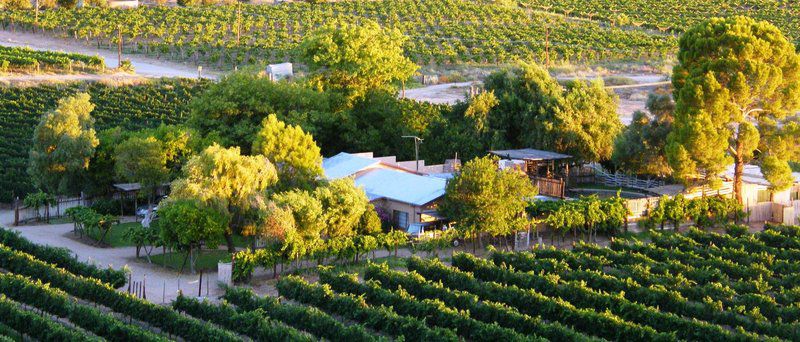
144 66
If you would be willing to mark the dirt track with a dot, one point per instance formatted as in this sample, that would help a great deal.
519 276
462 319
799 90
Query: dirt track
144 66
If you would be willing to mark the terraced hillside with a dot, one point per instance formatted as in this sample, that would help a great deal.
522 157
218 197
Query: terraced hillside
675 15
130 106
439 31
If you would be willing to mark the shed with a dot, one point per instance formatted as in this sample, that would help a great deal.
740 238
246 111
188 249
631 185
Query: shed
280 71
547 169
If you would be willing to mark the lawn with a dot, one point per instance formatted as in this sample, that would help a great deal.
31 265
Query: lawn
116 236
207 261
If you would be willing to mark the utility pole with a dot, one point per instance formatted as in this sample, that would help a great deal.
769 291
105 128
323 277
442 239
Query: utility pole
238 21
547 45
119 46
417 140
36 11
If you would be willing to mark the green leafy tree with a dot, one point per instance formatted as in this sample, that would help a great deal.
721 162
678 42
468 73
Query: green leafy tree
343 204
586 123
15 5
40 199
353 58
731 74
528 97
482 199
101 171
63 143
533 110
69 4
227 181
233 109
640 147
188 224
293 151
142 160
369 223
306 210
378 121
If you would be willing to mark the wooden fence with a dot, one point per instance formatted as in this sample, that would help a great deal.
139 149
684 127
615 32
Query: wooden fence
24 214
606 178
639 207
549 186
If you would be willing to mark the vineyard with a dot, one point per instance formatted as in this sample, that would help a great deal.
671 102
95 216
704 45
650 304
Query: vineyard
131 107
675 15
29 60
694 286
697 286
439 31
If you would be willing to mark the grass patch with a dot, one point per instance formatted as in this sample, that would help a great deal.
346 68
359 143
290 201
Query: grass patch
206 261
116 235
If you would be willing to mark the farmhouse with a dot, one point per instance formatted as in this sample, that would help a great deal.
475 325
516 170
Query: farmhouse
396 188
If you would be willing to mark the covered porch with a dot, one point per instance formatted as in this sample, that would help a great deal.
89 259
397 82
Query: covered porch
547 170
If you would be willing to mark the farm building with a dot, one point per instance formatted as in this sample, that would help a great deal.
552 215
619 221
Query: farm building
408 196
548 170
764 205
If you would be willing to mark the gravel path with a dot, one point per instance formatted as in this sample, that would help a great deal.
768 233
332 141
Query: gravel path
144 66
162 285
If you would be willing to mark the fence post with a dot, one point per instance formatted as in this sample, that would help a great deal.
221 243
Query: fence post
16 211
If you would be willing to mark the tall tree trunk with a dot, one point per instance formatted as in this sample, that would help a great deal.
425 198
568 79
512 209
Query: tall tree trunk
738 170
229 242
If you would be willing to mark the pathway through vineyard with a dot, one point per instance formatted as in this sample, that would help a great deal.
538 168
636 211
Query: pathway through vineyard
163 284
144 66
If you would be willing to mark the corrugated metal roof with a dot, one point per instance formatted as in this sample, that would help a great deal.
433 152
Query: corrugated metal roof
401 186
529 154
345 165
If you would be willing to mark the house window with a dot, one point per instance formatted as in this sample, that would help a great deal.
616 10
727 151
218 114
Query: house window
796 195
763 196
400 218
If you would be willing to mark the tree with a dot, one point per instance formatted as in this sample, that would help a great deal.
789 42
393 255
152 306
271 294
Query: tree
69 4
353 58
378 121
306 210
227 181
640 147
188 224
63 142
527 96
534 110
233 109
15 5
38 200
482 199
732 73
369 223
293 151
586 123
343 204
143 161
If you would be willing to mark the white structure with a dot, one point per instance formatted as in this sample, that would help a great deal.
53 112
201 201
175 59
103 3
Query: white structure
782 206
123 3
395 187
279 71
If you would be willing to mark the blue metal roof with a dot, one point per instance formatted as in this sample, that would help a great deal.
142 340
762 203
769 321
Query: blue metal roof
345 165
401 186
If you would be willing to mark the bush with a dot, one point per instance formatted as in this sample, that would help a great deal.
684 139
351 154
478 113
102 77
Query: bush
15 4
69 4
